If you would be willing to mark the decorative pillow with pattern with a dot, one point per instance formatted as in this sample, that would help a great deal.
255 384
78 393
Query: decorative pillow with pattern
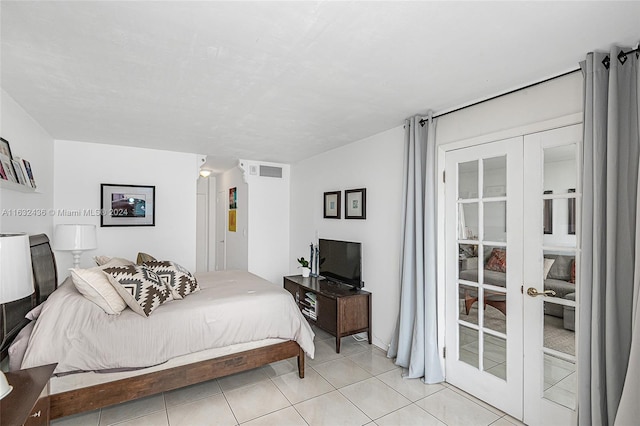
144 257
141 288
497 261
179 279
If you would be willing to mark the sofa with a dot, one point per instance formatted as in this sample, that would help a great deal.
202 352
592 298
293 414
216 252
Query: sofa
558 278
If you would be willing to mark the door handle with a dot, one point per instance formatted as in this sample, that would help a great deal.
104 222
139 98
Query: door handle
533 292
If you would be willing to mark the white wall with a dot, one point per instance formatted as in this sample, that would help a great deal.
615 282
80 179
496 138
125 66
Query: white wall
81 167
237 246
376 164
556 98
29 141
268 220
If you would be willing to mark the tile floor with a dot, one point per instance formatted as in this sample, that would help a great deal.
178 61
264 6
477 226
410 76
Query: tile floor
359 386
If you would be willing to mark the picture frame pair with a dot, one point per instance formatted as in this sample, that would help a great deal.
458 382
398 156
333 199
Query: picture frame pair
355 206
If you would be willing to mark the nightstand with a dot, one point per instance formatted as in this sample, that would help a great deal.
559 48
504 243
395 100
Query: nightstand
28 402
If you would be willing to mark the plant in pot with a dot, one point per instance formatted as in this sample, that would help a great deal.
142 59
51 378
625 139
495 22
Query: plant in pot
304 264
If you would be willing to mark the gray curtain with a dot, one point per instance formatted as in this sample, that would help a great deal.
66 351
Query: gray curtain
608 271
415 344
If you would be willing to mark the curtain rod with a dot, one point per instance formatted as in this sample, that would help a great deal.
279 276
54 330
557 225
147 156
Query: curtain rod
424 120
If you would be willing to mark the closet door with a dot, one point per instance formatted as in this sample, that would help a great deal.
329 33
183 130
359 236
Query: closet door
484 349
551 287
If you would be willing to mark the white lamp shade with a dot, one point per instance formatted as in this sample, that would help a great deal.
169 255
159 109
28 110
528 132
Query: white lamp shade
75 237
16 274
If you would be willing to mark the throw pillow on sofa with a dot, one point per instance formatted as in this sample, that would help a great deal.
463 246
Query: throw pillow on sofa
497 261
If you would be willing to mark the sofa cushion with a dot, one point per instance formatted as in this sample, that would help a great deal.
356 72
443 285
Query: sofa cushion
561 268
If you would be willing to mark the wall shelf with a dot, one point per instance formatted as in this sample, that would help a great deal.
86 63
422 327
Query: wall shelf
5 184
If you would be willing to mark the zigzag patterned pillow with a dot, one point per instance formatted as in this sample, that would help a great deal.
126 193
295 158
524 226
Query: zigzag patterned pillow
179 279
141 288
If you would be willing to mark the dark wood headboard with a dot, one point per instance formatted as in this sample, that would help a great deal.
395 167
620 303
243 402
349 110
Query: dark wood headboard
45 281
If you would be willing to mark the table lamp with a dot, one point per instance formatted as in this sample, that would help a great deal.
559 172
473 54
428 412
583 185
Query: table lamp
16 278
76 239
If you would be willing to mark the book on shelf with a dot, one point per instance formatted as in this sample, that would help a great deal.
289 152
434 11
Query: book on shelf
310 302
311 296
311 314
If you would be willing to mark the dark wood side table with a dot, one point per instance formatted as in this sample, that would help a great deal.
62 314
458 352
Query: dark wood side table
338 310
28 402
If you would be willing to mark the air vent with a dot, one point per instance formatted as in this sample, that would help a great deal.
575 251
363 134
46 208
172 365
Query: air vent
269 171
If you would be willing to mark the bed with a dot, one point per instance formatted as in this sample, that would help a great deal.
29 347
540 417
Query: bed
168 367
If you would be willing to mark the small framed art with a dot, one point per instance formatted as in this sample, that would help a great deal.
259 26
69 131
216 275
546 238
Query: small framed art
5 148
355 203
332 205
127 205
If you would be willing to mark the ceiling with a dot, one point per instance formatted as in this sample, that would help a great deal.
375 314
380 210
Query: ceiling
281 81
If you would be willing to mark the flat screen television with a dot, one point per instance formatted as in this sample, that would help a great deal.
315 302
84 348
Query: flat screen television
341 261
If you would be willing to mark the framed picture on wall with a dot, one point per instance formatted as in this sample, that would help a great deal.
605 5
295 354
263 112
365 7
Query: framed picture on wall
127 205
332 205
355 203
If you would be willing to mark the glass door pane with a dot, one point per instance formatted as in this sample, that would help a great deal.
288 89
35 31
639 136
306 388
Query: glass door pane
559 245
482 229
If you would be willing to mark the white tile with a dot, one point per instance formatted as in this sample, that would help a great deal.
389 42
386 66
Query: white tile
321 334
413 389
245 378
325 351
499 370
211 411
280 368
502 421
374 361
250 402
569 383
478 401
285 417
374 398
83 419
411 415
159 418
331 409
297 389
454 409
132 409
513 420
342 372
561 396
192 393
349 346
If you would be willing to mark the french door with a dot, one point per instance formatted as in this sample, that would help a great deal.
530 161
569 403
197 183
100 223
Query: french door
484 264
511 314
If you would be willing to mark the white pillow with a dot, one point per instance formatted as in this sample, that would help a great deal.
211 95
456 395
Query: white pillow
93 284
548 263
119 261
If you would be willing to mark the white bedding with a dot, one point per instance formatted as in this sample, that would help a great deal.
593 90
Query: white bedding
232 307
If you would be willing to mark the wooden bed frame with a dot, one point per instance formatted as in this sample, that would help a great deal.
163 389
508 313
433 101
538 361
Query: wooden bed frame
118 391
